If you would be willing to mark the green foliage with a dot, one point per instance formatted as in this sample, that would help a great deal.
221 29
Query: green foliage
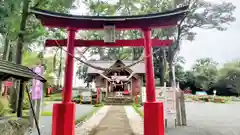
208 98
31 59
26 102
4 106
229 76
46 114
137 109
54 97
205 72
99 105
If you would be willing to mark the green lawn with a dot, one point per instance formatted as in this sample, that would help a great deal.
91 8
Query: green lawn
89 115
137 109
54 97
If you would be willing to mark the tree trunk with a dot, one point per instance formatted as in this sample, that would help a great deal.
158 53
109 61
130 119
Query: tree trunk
20 40
161 67
20 43
5 56
170 63
170 73
6 49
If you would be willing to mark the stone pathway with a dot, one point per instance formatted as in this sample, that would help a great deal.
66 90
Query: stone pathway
114 123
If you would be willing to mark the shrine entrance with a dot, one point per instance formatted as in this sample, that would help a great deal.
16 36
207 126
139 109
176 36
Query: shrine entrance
63 113
118 88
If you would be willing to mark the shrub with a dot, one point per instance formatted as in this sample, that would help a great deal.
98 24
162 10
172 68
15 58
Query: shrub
4 106
210 98
26 102
54 97
136 108
99 105
46 113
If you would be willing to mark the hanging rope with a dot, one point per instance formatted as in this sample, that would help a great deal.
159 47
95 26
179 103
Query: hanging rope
106 69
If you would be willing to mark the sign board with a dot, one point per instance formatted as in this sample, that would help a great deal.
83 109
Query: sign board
37 86
109 36
170 102
168 97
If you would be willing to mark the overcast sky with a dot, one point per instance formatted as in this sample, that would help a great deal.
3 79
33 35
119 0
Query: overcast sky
220 46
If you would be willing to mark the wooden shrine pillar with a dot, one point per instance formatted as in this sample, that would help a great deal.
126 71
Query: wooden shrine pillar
153 111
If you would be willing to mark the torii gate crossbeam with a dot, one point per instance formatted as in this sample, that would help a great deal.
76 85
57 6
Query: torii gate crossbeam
101 43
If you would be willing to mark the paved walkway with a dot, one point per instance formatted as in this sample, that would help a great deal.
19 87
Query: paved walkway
46 121
209 119
114 123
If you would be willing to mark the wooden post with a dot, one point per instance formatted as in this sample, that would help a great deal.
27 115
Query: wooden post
183 110
178 113
20 99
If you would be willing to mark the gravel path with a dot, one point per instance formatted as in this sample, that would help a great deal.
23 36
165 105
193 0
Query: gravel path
114 123
210 119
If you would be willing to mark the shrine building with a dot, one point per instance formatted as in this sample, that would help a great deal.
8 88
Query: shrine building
127 81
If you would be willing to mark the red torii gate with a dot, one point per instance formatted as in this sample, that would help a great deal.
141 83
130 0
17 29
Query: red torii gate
63 113
101 43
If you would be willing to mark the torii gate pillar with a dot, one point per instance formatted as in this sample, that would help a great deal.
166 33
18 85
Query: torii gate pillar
64 113
153 111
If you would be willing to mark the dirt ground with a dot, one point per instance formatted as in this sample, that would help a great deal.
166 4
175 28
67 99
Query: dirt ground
114 123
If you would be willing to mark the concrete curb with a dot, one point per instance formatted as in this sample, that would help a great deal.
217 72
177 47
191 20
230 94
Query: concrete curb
135 120
91 123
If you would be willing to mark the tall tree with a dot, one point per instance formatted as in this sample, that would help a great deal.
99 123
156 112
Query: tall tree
202 14
229 77
24 27
205 72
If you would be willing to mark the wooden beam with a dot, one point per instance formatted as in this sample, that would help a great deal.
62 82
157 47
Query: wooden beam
21 98
100 43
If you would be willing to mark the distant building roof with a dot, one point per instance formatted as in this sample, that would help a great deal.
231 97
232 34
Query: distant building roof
138 68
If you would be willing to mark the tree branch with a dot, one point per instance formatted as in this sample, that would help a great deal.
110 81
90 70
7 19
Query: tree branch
37 4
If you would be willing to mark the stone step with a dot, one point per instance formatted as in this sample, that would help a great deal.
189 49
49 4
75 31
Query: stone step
118 101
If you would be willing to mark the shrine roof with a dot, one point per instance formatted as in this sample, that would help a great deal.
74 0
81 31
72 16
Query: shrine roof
138 68
154 20
9 69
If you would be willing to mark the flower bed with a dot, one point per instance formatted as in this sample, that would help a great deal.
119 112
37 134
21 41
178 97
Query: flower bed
208 98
